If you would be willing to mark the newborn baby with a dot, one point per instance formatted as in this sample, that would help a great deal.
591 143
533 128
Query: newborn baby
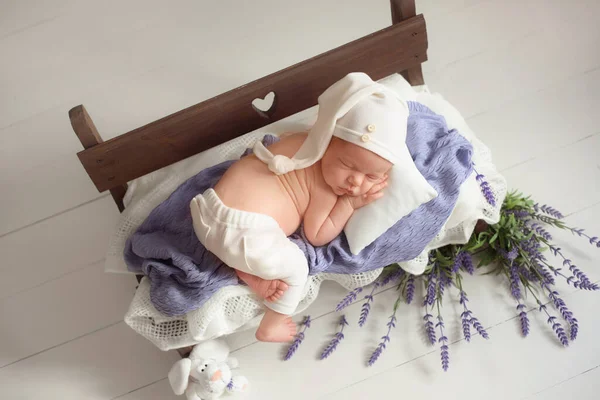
317 180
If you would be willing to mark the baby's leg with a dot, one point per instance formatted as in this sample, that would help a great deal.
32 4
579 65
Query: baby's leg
276 327
270 290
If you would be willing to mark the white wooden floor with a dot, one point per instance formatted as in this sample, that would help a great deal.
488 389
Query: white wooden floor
526 73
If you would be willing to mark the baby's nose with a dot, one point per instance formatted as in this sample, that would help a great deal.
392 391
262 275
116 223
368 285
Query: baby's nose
216 376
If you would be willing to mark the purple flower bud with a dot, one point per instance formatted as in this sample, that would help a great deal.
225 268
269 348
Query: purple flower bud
524 323
485 189
385 339
339 336
515 283
540 231
430 294
467 263
479 328
429 328
556 326
410 289
393 276
349 299
366 307
444 348
294 346
549 211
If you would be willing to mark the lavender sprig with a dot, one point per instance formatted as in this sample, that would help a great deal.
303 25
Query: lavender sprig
485 189
540 231
444 340
583 281
430 291
524 319
479 328
548 210
465 316
467 263
580 232
564 311
429 328
556 326
339 336
392 276
410 289
366 307
515 282
298 339
384 339
349 299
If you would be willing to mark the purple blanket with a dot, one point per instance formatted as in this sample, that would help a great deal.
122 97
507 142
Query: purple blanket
183 274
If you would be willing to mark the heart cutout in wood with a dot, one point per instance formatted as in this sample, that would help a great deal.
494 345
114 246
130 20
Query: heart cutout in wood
265 107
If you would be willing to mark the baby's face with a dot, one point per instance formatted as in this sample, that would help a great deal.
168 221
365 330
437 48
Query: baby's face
352 170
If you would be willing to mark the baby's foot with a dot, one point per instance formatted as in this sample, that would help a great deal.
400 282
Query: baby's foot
275 327
269 290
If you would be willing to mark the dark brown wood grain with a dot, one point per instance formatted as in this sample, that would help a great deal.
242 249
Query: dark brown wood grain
88 135
115 162
402 10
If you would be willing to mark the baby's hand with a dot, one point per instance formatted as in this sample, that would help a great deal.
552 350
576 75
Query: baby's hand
375 193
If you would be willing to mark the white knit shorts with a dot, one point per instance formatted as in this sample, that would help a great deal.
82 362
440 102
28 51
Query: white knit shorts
253 243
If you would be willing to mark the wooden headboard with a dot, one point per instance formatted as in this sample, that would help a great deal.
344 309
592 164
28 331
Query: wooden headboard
401 47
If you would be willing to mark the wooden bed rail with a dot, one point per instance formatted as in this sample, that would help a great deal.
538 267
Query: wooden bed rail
401 47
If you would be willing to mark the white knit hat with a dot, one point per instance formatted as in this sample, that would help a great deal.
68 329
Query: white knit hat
367 114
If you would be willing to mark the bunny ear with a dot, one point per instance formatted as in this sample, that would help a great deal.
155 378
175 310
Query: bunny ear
179 375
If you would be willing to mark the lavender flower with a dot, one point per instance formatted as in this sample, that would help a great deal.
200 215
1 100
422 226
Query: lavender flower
336 339
444 347
523 270
467 263
577 284
366 307
532 248
410 289
524 319
298 339
479 328
547 276
384 339
349 299
548 210
458 262
515 282
430 293
580 232
556 326
519 213
564 311
465 316
392 276
584 281
540 231
485 189
429 328
443 282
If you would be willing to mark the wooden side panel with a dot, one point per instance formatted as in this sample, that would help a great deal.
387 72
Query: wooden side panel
402 10
89 137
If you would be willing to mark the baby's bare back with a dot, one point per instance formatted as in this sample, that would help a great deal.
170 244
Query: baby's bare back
249 185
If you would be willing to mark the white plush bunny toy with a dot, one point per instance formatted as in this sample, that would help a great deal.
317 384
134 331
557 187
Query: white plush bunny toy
206 374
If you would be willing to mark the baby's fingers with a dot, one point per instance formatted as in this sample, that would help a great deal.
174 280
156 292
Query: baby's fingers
378 187
374 196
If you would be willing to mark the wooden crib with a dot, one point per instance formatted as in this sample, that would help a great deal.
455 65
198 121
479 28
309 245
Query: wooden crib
401 47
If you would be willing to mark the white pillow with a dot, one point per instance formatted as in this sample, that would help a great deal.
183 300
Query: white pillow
404 194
